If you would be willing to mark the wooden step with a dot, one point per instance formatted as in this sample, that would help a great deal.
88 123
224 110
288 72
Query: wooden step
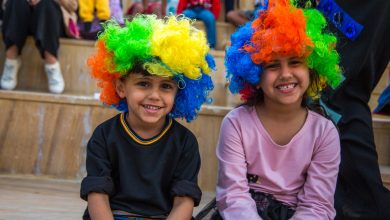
73 55
385 173
381 126
224 30
39 197
46 134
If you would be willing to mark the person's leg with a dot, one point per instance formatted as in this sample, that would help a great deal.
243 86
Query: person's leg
103 10
236 17
48 28
86 10
360 193
16 21
155 8
190 13
208 19
229 6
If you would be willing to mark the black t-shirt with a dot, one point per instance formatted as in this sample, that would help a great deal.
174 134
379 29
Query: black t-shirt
141 176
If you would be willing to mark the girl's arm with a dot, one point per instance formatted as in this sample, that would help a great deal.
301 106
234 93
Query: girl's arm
316 198
99 207
182 208
233 198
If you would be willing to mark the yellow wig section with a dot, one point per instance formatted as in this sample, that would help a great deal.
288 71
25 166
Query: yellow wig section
181 47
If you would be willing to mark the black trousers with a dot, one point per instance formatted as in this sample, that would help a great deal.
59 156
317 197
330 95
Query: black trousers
360 193
43 21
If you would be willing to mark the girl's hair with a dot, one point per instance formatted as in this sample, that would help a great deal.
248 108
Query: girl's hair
169 47
282 28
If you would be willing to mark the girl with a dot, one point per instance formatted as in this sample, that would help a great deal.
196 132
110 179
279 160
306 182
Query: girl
277 158
142 164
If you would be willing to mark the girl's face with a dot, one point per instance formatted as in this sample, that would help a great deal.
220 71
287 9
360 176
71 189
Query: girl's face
149 98
285 80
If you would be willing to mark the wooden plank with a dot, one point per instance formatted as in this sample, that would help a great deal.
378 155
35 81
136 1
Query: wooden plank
42 198
50 137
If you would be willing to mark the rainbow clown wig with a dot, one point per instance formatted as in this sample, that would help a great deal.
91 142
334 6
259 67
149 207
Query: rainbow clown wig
283 29
167 48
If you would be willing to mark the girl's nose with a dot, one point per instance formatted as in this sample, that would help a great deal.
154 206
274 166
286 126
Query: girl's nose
285 70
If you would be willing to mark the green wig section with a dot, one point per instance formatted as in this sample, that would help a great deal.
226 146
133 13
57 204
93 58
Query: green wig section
324 58
130 43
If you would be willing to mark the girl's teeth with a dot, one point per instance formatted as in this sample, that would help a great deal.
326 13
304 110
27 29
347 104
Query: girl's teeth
290 86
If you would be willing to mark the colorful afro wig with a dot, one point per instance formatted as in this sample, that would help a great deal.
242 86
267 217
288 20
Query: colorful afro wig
282 29
169 48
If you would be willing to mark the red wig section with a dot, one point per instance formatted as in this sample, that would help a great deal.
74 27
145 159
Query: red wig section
280 30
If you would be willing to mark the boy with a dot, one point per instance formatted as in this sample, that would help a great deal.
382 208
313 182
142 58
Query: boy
142 163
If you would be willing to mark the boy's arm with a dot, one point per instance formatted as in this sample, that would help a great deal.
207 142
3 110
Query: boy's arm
99 207
182 208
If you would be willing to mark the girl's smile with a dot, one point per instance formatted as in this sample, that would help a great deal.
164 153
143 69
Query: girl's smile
285 80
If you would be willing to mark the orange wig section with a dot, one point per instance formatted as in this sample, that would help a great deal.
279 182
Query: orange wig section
280 30
101 69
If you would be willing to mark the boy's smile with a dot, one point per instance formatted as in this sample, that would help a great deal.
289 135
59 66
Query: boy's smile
149 99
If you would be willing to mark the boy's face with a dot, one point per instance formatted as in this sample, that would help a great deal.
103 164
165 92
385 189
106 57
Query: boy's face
149 98
285 80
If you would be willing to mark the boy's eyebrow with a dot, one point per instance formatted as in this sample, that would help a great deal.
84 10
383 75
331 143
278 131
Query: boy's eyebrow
166 79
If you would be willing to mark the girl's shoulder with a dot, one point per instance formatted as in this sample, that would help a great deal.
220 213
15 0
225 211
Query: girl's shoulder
320 124
240 112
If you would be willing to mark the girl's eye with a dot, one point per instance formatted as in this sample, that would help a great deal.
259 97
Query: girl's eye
295 62
271 66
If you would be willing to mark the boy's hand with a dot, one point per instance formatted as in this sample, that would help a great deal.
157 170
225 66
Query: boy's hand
182 208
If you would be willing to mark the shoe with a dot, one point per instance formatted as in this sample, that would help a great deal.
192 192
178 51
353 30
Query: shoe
10 74
54 78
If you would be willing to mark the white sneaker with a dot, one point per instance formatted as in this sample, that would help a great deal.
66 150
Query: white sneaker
10 73
54 78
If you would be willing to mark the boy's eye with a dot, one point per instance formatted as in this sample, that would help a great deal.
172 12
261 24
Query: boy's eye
143 83
167 86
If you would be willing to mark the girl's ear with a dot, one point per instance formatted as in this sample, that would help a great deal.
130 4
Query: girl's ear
120 88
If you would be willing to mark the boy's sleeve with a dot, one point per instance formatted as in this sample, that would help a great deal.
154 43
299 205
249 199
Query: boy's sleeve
316 198
98 167
185 181
233 198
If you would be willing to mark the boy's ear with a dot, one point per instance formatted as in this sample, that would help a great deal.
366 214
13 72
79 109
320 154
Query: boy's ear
120 88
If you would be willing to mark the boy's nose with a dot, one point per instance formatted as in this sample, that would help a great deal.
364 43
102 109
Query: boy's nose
154 93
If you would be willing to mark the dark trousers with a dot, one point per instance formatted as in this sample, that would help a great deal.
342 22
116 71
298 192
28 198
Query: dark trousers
360 193
43 21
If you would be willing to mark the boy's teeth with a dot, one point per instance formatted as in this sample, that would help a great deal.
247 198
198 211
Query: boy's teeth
151 107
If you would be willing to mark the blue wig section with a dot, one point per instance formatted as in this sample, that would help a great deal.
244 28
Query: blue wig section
189 100
121 106
210 61
239 65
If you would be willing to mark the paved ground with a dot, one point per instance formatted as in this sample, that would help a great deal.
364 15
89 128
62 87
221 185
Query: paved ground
42 198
